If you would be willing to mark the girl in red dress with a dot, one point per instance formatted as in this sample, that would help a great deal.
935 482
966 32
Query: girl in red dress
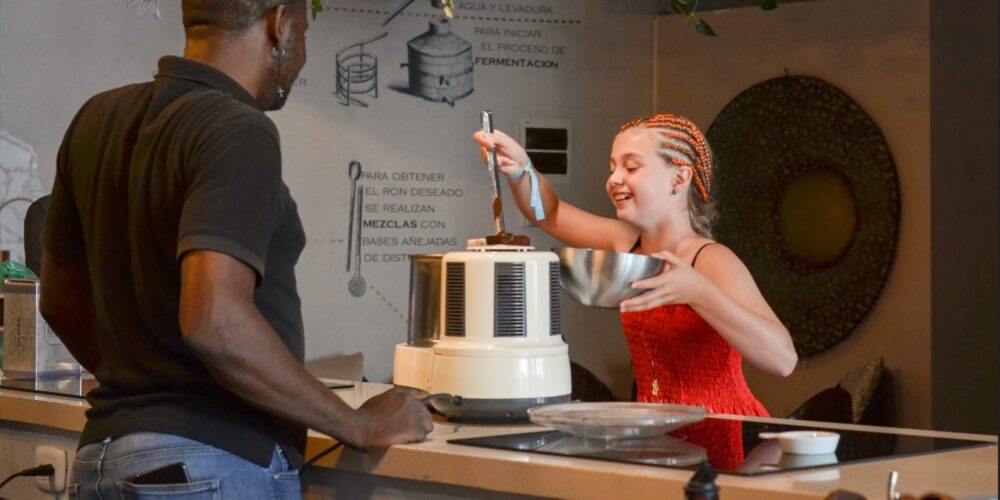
698 319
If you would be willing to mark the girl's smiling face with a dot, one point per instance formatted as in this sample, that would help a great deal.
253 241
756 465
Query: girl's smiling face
640 180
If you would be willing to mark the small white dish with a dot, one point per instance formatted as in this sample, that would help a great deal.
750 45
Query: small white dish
805 442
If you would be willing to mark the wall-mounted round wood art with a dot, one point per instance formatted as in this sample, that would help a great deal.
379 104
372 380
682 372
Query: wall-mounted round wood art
808 197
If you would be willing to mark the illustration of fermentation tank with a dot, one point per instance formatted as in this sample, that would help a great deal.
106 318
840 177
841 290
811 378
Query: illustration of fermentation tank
440 64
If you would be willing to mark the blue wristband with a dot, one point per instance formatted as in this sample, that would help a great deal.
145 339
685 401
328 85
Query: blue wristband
519 173
536 194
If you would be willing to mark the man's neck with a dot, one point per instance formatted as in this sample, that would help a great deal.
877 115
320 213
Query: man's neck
238 58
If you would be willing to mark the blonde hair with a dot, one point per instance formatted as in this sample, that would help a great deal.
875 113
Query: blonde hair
683 145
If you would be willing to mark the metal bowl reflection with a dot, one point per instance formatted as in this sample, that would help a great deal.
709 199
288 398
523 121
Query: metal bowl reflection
600 278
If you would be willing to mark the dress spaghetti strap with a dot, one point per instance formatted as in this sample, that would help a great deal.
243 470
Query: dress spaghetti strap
696 254
638 243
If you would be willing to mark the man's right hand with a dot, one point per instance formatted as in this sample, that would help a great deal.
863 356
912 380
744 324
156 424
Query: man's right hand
392 417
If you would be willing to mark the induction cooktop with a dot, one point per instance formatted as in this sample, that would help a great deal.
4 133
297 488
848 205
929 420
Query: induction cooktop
731 446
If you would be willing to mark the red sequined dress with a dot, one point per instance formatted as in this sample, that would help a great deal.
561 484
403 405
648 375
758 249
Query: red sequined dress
679 358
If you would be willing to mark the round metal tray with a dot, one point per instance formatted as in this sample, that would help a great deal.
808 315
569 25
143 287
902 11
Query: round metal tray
616 420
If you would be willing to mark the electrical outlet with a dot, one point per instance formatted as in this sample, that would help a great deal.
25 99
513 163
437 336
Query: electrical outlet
57 457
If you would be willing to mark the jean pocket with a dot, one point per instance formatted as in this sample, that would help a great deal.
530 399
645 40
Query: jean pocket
288 485
201 490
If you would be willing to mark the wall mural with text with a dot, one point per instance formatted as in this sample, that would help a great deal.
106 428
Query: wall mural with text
376 135
408 50
404 83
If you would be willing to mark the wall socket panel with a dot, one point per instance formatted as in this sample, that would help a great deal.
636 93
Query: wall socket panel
57 457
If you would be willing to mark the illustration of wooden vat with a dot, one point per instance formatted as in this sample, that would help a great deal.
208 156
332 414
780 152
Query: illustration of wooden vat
440 64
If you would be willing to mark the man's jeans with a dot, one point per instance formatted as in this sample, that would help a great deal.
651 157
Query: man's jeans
102 471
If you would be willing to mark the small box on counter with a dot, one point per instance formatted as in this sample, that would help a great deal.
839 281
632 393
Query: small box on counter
31 350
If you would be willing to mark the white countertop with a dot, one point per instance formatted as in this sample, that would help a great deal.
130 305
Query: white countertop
960 473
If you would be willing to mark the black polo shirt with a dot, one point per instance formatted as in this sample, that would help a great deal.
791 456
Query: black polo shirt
146 173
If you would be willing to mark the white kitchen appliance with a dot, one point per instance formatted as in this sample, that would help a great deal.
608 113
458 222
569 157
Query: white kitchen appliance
500 349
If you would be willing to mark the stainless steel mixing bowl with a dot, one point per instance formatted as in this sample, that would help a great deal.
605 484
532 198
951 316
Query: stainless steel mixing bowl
600 278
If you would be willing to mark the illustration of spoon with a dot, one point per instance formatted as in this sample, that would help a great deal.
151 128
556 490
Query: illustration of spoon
354 172
357 285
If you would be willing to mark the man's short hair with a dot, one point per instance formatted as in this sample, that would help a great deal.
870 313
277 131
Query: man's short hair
231 16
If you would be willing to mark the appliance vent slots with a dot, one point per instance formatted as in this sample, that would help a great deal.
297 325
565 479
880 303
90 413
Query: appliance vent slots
554 327
509 300
454 319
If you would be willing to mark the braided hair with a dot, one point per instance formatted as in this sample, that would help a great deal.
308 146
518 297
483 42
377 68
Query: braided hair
683 145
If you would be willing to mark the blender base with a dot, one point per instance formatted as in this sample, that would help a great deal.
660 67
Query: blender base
492 411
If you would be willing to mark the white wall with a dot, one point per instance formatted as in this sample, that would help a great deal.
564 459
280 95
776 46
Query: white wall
57 53
878 53
18 444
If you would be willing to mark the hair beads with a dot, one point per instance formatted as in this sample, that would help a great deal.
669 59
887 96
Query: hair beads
683 145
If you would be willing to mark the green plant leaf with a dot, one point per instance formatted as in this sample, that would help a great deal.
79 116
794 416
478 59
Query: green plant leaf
703 28
317 6
768 4
679 7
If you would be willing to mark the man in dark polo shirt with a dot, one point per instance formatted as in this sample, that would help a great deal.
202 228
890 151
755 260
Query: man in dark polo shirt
168 271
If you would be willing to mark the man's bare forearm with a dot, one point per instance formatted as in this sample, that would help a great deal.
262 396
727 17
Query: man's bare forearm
222 325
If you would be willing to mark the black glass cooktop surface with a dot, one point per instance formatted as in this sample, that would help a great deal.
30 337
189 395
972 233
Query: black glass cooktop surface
731 446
